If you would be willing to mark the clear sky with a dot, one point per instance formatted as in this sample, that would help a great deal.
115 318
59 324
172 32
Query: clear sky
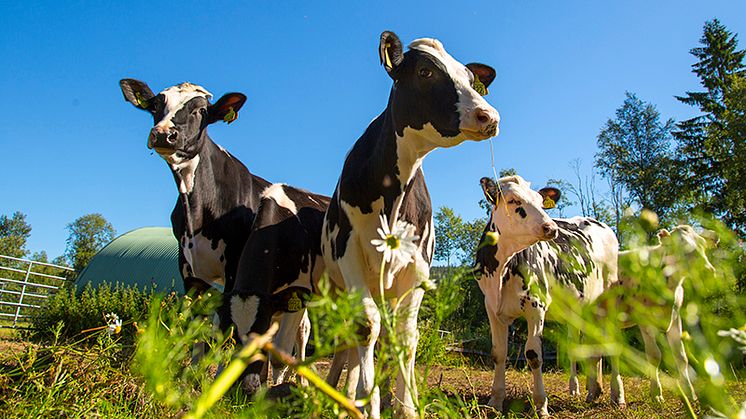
71 145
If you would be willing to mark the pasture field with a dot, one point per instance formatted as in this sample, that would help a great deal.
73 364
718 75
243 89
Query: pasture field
96 381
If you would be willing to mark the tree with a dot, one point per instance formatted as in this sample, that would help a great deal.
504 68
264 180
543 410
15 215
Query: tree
635 152
14 231
711 145
448 228
88 234
471 233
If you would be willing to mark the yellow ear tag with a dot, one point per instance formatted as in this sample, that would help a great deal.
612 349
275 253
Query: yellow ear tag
230 116
140 101
386 56
479 86
548 203
294 303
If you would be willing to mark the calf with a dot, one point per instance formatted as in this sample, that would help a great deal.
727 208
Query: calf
279 267
433 103
218 196
581 258
633 300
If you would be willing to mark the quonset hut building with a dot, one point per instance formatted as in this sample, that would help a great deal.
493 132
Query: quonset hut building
143 257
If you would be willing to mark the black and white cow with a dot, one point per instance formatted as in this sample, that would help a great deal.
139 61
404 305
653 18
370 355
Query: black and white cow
279 267
654 302
433 103
582 259
218 196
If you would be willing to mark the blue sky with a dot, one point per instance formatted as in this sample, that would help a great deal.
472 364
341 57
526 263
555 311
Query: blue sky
71 145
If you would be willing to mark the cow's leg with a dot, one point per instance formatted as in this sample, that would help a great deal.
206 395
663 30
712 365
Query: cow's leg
673 334
196 288
653 354
573 338
353 372
335 369
366 386
499 332
251 314
617 387
408 335
535 320
594 378
285 340
304 333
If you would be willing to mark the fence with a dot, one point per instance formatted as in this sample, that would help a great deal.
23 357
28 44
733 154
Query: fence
24 285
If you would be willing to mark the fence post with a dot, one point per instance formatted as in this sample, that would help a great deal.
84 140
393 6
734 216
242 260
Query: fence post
23 292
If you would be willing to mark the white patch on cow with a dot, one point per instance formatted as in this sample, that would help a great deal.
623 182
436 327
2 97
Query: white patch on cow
468 98
205 261
186 170
243 313
276 191
176 97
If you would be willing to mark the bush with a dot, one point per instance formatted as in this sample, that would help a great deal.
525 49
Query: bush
84 310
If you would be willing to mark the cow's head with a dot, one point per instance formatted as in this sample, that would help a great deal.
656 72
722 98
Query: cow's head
518 211
435 95
180 116
683 245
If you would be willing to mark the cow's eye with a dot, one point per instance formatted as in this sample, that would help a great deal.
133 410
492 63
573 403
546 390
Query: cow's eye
425 73
514 202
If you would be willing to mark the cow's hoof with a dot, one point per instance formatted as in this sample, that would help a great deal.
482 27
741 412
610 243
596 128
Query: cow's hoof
250 384
495 404
574 387
593 395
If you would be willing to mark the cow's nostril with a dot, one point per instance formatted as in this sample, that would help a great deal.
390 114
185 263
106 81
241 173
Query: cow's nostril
172 136
482 118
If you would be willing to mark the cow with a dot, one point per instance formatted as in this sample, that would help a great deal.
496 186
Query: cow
518 273
653 303
218 196
279 269
435 102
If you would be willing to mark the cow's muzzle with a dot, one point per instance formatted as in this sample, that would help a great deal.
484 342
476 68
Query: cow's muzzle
163 141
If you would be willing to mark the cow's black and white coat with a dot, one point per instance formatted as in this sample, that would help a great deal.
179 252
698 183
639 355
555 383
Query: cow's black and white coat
218 196
432 104
582 259
279 267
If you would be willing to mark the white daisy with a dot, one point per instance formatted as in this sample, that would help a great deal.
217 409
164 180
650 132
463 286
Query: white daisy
114 323
397 243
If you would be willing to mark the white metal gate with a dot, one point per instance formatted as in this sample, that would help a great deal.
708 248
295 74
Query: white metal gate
24 284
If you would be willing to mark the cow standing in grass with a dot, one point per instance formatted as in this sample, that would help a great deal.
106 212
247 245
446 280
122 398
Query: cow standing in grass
433 103
517 276
650 293
218 196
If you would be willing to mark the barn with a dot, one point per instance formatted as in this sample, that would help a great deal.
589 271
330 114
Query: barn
143 257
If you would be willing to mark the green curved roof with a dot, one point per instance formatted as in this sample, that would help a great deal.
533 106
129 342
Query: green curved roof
143 257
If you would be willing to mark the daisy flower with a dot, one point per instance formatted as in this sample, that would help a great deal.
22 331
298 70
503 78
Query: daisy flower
114 323
397 243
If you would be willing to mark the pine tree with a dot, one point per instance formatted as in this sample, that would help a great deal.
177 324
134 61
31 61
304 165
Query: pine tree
711 145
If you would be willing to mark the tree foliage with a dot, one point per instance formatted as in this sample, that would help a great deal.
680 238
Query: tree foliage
635 152
14 231
88 234
711 145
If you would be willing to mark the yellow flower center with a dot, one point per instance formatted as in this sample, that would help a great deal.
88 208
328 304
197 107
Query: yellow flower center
392 242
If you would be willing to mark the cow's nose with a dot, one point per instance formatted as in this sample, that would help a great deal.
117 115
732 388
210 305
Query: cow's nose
550 230
487 120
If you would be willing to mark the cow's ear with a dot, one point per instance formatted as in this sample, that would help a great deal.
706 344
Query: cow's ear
483 74
550 196
137 93
662 234
390 52
226 108
490 190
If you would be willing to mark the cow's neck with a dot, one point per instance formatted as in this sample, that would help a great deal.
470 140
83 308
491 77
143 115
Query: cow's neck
199 183
404 155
